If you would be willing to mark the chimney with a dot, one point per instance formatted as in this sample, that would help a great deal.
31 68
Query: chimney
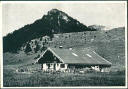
60 47
70 48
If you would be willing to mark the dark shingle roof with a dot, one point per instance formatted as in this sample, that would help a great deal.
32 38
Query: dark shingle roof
86 56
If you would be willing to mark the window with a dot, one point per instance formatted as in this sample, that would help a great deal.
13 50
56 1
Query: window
62 65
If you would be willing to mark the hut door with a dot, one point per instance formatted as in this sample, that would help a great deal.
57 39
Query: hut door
54 66
48 66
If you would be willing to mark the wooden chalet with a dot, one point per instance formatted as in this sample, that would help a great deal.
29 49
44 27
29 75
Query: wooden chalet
60 59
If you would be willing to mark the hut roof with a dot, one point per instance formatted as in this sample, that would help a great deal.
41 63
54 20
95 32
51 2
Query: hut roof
86 56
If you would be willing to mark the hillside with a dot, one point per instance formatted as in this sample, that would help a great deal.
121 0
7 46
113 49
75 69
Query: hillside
20 69
54 22
109 44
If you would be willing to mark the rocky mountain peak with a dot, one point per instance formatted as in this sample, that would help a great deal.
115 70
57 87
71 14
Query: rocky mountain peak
55 22
58 15
53 11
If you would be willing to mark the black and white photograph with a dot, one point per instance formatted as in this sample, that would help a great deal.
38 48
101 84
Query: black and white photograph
64 44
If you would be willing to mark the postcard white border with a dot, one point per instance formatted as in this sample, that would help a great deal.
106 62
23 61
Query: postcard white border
1 42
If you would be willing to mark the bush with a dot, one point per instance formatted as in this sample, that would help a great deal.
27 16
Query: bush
28 48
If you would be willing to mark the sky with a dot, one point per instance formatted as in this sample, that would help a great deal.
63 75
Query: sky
16 15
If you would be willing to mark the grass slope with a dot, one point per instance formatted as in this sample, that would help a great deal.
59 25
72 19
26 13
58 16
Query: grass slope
63 79
108 44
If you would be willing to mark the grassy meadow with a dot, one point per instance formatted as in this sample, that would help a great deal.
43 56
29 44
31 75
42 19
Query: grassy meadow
42 79
19 69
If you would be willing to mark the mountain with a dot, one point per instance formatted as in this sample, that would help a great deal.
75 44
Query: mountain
57 28
54 22
96 27
100 27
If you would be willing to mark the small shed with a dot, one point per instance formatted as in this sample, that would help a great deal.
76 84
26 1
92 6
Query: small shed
60 59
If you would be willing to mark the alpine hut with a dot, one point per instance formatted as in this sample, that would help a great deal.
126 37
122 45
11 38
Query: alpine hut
60 59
